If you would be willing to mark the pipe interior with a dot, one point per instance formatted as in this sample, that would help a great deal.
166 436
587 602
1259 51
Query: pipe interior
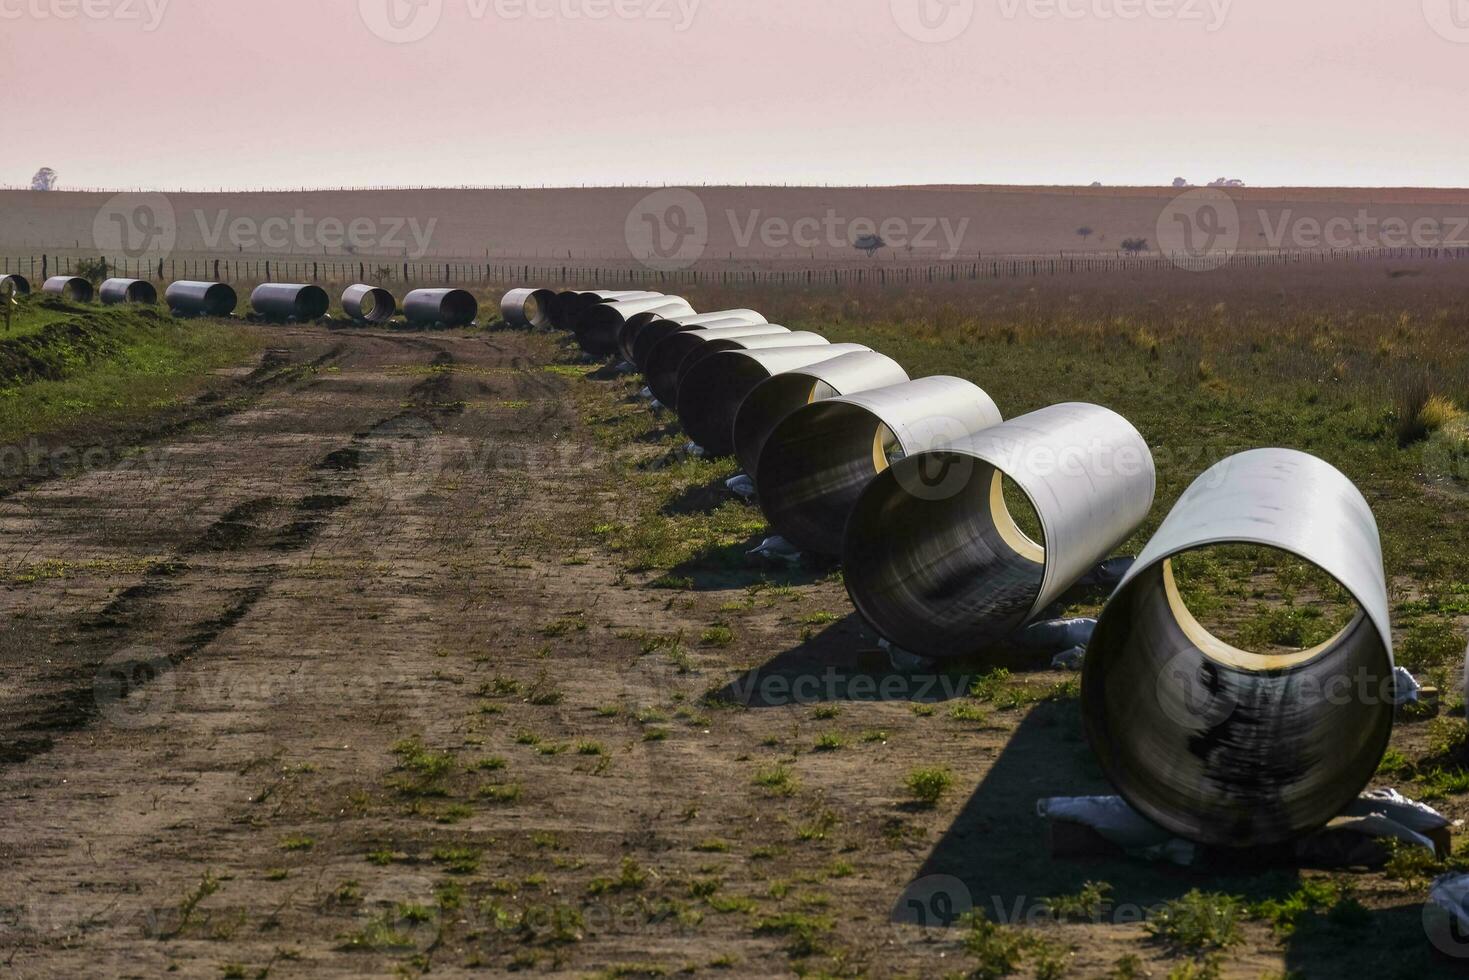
701 354
813 468
650 336
597 329
563 310
141 292
312 302
219 300
661 371
937 559
77 290
457 308
1225 745
765 408
538 308
711 394
376 305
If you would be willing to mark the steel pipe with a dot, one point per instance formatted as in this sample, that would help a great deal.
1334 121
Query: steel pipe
300 302
115 291
637 338
598 327
450 307
17 282
572 303
525 309
1225 746
711 390
818 461
934 557
768 404
75 288
660 369
188 298
796 338
369 304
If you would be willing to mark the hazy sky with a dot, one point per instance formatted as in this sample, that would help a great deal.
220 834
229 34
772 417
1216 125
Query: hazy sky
189 94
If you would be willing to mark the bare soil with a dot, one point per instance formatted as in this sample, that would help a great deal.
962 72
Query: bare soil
340 681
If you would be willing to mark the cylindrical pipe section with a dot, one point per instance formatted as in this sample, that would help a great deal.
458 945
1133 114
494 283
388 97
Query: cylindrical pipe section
660 369
74 288
773 400
189 298
599 326
450 307
369 304
526 309
638 336
572 303
768 404
20 284
796 338
935 559
115 291
1230 747
301 302
712 389
821 457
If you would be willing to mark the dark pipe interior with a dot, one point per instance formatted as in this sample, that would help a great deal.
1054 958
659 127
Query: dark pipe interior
932 561
597 329
711 394
458 308
219 300
650 336
661 370
813 468
1221 753
765 408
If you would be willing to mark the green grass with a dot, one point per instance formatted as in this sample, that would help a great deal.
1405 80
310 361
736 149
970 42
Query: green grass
1199 922
134 364
926 786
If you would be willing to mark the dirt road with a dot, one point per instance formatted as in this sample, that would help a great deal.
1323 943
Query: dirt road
345 682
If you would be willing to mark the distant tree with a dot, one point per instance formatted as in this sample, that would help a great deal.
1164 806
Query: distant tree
44 180
1085 232
1096 183
1226 182
870 244
1180 182
93 270
1134 245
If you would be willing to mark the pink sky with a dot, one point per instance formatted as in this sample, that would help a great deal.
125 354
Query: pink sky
290 93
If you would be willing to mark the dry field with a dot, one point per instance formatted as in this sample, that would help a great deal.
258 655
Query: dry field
744 224
357 652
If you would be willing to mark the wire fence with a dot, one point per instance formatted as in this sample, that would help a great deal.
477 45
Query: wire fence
40 267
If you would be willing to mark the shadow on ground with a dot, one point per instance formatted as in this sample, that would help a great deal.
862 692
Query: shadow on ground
995 858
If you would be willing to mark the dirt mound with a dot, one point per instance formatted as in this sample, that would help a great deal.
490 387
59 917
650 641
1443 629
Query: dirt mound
58 350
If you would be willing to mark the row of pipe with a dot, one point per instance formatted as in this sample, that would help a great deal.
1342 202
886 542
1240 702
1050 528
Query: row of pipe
298 302
906 481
